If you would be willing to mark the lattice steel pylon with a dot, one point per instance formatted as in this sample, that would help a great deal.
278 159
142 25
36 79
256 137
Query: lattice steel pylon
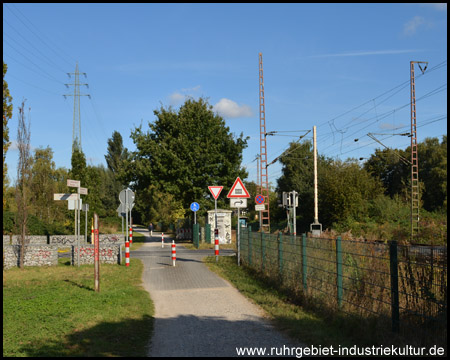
76 131
264 183
415 194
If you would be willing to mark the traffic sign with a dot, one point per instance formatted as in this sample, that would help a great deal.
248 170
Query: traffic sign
69 196
73 183
259 199
195 206
260 207
83 191
123 197
215 191
238 203
238 190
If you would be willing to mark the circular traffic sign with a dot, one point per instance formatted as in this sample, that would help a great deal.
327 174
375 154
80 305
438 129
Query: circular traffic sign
126 197
259 199
195 206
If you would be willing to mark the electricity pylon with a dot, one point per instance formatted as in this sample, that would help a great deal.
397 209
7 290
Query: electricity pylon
76 131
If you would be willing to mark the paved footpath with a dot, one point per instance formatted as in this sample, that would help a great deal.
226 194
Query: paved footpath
197 313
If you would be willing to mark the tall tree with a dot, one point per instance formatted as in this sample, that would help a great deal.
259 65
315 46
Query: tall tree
23 181
43 183
183 153
116 153
7 114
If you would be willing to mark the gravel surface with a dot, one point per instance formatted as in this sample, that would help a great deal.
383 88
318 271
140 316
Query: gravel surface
197 313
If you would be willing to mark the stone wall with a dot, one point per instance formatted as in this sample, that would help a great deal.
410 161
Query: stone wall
31 239
109 254
69 240
35 255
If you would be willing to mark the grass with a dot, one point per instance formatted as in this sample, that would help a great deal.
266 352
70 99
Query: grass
307 322
54 311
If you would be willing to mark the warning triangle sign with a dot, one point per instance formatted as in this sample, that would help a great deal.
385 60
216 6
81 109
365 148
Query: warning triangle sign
215 191
238 190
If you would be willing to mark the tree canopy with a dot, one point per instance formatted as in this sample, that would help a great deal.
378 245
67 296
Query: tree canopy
183 153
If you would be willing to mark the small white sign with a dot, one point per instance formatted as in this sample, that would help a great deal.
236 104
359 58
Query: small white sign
238 203
261 207
72 204
73 183
83 191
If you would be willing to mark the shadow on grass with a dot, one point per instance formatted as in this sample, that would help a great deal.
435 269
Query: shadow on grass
128 338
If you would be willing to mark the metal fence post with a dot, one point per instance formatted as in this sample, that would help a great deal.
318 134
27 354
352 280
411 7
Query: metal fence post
208 233
280 254
393 260
339 271
195 238
249 246
304 264
263 250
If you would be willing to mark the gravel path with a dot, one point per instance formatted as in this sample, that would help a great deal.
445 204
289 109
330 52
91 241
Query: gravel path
197 313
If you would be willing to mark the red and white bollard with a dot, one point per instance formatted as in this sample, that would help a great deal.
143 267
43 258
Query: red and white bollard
162 240
174 253
216 243
131 235
127 253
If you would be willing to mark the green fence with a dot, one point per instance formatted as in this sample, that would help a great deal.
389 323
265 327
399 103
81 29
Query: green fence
403 284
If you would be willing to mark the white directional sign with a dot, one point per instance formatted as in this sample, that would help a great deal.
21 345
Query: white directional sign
83 191
73 183
238 190
72 196
238 203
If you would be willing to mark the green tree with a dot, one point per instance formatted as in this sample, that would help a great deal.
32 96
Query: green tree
43 184
183 153
7 114
78 162
345 191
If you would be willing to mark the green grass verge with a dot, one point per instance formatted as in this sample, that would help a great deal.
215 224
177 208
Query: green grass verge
309 325
54 311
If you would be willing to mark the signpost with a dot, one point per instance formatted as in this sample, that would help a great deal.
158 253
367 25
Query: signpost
126 198
194 207
238 191
77 200
215 191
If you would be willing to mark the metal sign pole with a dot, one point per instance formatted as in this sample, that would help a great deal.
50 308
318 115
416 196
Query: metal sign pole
126 215
238 238
77 225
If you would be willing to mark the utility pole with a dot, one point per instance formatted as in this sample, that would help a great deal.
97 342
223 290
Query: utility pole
76 131
315 227
265 216
415 195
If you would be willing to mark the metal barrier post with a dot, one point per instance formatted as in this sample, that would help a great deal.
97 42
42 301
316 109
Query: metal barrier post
195 239
304 264
339 270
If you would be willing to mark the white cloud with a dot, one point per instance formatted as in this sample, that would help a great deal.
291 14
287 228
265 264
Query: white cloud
412 25
176 98
229 109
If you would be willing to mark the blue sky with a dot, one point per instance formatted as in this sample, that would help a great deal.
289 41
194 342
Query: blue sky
342 67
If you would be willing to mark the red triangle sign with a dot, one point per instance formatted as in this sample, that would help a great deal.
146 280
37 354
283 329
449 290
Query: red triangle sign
215 191
238 190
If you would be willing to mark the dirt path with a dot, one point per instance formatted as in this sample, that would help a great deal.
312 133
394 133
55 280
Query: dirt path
197 313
